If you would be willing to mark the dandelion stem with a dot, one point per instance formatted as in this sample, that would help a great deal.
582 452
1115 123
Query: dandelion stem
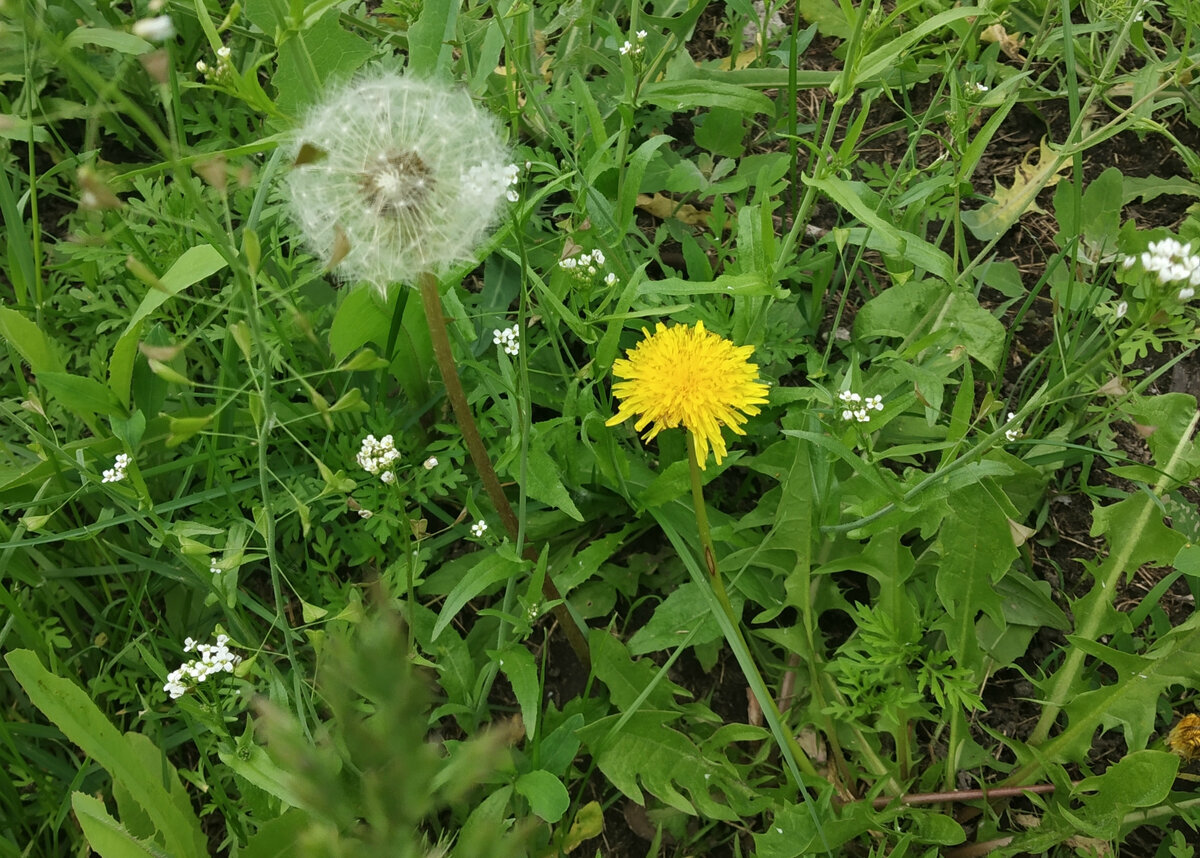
714 577
428 287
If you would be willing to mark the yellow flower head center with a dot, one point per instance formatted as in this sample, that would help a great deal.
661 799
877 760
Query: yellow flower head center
690 377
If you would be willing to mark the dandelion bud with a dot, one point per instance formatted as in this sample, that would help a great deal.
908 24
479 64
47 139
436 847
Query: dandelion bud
410 178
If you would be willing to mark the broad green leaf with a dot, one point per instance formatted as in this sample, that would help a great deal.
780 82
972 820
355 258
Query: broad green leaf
518 666
681 95
1131 701
83 396
101 37
884 236
976 549
255 765
684 612
920 307
430 38
547 796
71 710
1147 188
631 179
647 753
105 835
542 481
279 838
193 265
628 680
491 569
29 341
310 59
827 15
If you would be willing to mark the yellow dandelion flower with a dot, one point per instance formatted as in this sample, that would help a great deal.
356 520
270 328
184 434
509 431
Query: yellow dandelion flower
690 377
1184 738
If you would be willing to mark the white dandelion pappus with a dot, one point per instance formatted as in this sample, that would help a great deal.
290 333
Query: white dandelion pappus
410 174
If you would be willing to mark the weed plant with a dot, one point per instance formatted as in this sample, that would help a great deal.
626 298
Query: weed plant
365 362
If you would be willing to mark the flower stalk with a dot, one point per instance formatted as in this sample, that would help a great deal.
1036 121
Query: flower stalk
427 285
718 585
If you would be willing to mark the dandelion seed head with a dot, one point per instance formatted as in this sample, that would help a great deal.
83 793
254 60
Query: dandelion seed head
401 175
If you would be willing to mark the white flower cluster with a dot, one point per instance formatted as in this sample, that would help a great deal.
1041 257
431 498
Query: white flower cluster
1015 432
482 178
377 455
214 568
117 472
479 528
859 408
634 48
222 69
1173 263
214 658
586 266
509 339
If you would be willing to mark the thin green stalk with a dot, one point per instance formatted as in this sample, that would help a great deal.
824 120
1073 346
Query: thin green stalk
718 587
428 287
1089 624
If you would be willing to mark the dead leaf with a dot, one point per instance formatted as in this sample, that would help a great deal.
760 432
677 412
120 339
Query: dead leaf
1011 45
995 218
665 208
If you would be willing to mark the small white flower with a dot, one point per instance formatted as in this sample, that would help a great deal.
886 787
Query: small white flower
365 513
610 279
479 528
979 87
223 52
430 463
117 472
213 658
1122 309
376 456
388 477
1014 433
509 339
1187 293
202 66
156 29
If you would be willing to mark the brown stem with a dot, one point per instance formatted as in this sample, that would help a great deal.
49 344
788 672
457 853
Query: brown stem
958 795
479 455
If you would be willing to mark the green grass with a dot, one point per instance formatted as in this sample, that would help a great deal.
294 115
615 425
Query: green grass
898 596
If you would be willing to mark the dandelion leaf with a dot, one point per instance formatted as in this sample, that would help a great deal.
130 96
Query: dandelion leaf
643 752
1131 702
995 218
976 549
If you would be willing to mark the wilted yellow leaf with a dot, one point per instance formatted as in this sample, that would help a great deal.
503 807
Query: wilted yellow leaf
665 207
1011 45
995 218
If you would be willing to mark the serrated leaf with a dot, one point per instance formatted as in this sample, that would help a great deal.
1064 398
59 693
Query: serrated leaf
994 219
518 666
71 710
542 481
107 837
1132 700
627 679
645 752
684 612
976 549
